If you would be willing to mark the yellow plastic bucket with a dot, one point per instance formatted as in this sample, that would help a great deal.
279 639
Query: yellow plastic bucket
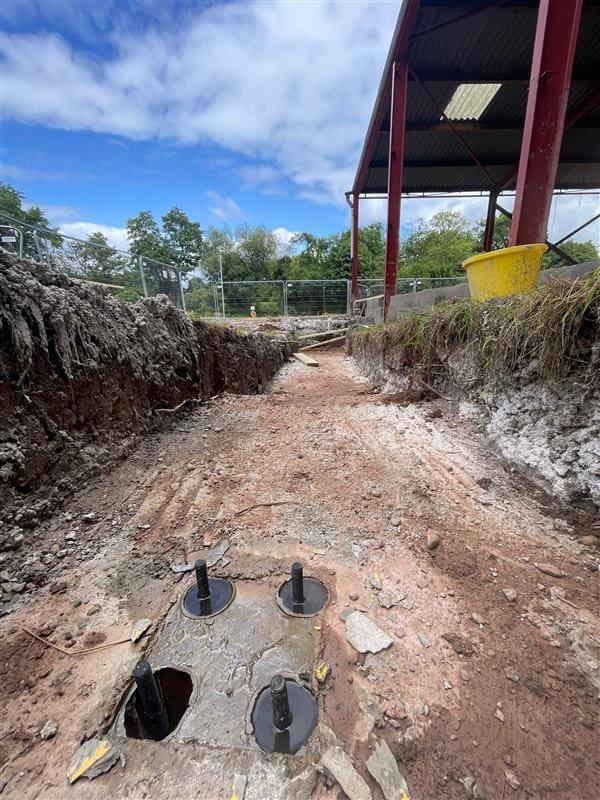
500 273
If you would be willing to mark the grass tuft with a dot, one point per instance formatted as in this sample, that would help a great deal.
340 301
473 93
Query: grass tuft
548 331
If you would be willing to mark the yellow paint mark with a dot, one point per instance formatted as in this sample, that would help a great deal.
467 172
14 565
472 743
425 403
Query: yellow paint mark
322 671
317 627
102 749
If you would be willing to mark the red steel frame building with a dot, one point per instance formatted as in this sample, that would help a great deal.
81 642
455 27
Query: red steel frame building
478 95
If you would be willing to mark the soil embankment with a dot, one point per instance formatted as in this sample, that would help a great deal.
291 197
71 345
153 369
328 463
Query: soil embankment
526 368
82 375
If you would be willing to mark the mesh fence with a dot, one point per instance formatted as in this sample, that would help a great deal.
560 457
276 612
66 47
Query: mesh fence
132 277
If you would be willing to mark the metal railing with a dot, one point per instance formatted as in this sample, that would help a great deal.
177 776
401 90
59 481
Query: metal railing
130 275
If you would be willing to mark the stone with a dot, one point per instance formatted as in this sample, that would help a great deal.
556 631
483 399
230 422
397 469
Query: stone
433 540
49 730
464 676
139 629
499 715
512 676
550 569
478 619
364 635
216 553
383 767
510 595
588 540
89 518
93 610
93 758
354 596
375 582
386 600
339 766
178 569
511 779
424 640
396 520
461 645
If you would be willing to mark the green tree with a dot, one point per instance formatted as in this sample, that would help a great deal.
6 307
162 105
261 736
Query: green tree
579 252
99 262
182 239
501 232
11 204
437 248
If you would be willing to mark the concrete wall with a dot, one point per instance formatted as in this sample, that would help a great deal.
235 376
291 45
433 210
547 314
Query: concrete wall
402 304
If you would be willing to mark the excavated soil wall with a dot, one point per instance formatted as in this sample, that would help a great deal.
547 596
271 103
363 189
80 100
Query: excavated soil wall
82 376
545 426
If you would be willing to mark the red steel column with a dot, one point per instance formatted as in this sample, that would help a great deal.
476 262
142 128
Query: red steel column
551 67
490 222
396 156
354 239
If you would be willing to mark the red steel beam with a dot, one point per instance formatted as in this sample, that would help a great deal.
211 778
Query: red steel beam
587 104
551 68
395 164
402 32
354 235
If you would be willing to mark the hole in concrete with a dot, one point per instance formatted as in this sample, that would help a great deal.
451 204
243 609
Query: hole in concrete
284 716
207 597
175 688
300 596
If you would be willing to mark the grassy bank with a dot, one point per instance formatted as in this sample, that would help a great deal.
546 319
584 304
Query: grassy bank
549 331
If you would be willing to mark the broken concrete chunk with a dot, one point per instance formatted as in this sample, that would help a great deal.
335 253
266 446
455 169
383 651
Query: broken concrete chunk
383 767
93 758
139 629
339 766
364 635
216 553
178 568
510 595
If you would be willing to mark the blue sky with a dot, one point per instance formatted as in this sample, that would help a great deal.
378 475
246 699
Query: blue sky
235 112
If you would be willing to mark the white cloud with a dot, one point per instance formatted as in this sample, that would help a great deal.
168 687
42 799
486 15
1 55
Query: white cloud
15 172
286 84
116 237
56 213
223 208
284 239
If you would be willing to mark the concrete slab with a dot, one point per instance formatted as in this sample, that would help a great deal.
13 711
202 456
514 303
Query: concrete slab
230 658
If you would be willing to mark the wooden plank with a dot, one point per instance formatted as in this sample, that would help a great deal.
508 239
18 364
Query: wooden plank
323 333
321 344
306 360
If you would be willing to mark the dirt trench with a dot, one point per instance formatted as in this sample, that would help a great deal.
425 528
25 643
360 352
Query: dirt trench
492 680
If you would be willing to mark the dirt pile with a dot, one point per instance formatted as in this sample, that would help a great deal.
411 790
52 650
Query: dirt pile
82 375
526 366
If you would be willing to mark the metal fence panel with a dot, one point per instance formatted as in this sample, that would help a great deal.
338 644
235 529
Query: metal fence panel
312 298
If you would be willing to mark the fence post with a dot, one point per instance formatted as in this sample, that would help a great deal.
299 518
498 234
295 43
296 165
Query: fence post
142 276
285 298
348 296
180 289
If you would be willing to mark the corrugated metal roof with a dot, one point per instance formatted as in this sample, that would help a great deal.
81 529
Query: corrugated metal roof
492 46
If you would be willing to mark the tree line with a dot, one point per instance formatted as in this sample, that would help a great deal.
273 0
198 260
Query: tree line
434 248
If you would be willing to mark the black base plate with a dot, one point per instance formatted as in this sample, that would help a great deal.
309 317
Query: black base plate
221 595
315 598
304 718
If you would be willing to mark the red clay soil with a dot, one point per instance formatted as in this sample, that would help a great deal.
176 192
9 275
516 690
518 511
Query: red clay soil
480 695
